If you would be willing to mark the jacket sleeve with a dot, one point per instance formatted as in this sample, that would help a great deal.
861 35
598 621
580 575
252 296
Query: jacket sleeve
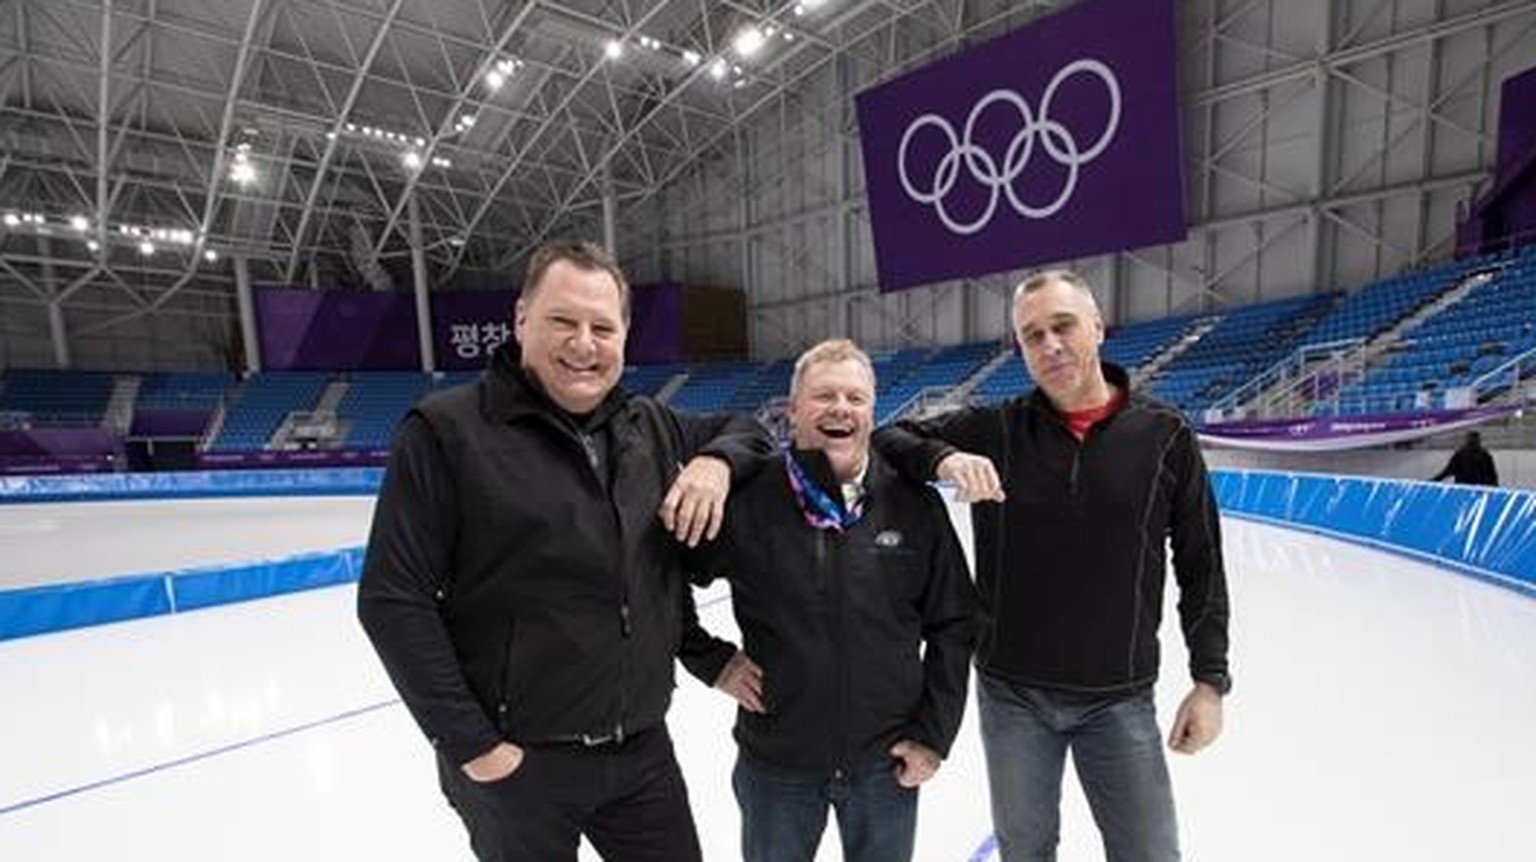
1195 534
949 636
703 655
741 441
407 571
915 447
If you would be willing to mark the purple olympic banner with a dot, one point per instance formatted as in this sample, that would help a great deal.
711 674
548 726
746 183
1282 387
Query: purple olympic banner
307 330
1056 141
1334 433
340 330
468 326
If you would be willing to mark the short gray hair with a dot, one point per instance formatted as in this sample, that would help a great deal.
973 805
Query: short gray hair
831 350
1040 279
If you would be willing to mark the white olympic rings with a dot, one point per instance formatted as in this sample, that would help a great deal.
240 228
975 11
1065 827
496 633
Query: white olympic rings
1055 139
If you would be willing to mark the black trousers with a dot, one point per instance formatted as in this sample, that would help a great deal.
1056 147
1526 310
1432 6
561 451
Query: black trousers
629 800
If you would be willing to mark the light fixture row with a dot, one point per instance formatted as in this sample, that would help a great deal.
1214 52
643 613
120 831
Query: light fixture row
411 155
143 236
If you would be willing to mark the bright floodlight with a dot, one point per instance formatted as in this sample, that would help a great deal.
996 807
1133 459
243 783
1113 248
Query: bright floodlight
749 41
692 58
146 248
494 79
242 172
211 256
614 49
718 68
80 223
412 159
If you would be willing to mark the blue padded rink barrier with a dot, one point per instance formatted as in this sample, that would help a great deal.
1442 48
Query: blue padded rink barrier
1383 708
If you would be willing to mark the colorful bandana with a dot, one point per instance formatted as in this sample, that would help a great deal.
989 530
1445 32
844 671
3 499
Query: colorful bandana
820 510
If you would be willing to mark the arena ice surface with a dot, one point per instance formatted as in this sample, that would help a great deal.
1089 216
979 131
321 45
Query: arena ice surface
1383 710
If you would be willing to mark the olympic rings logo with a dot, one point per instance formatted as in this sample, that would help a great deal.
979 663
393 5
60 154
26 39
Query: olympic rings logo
1055 140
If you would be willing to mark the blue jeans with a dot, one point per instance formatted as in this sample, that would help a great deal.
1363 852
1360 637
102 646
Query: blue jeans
1117 751
784 811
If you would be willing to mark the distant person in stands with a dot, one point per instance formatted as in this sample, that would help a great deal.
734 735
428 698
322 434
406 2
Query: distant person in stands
522 591
1080 488
1471 464
856 613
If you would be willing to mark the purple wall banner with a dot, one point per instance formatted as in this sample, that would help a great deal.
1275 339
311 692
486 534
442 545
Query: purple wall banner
61 441
656 324
1058 140
337 330
468 326
306 330
1517 122
1333 433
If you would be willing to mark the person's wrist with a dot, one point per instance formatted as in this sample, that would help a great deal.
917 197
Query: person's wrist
1220 683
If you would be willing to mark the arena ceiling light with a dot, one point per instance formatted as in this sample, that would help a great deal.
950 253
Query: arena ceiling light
502 72
241 171
748 41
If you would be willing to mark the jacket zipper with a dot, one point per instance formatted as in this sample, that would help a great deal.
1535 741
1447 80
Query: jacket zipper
840 632
626 626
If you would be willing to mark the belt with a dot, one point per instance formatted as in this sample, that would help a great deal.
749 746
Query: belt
592 740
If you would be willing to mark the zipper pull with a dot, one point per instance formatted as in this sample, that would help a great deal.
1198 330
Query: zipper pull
586 443
624 626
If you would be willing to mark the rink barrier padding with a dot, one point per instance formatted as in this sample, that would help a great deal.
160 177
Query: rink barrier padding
1486 532
338 481
57 607
1489 533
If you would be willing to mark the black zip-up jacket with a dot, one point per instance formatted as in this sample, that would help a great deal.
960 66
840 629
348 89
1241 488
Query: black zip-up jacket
1070 569
864 635
518 584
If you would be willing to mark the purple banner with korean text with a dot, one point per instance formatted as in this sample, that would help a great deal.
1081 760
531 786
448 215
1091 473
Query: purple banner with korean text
306 330
468 326
1056 141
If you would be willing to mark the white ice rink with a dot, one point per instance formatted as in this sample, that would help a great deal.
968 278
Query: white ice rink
1384 710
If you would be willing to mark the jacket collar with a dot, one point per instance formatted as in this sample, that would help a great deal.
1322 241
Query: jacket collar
1117 377
818 469
510 394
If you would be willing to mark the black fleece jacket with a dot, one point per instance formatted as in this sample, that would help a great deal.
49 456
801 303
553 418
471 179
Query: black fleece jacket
864 635
1070 569
518 584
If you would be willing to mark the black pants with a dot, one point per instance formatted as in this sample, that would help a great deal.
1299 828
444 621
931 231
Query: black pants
628 799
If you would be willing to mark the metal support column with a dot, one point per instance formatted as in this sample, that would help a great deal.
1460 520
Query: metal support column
423 306
249 337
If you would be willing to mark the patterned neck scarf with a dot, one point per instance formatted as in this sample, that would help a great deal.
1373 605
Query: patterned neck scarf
819 508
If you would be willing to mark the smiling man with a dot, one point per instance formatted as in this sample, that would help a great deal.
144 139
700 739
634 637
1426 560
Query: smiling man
1097 480
855 609
521 588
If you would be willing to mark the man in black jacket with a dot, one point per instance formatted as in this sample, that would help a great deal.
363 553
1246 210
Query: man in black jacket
855 609
1070 568
522 592
1471 464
